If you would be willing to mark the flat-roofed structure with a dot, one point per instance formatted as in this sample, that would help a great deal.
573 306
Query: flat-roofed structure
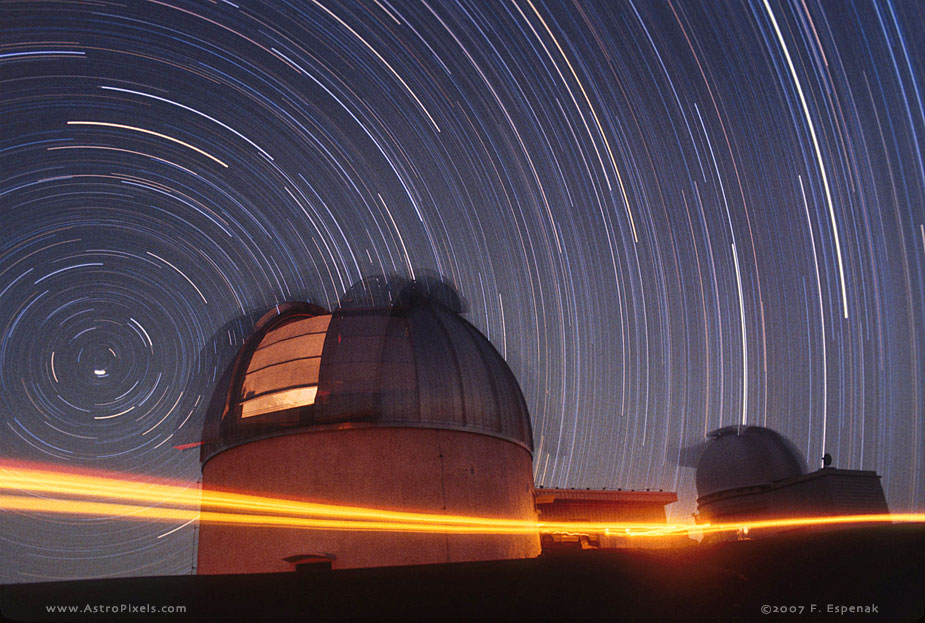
602 506
749 473
828 491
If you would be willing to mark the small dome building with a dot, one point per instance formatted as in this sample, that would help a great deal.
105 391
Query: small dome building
747 473
391 401
745 456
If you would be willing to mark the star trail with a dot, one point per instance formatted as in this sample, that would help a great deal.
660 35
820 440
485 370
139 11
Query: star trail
667 216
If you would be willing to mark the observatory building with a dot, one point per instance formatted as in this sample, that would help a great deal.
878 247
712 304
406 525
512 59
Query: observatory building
753 473
602 506
391 401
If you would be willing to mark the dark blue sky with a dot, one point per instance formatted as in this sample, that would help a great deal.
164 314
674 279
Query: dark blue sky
667 216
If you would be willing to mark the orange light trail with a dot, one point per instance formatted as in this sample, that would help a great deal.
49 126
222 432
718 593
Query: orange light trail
14 476
152 133
75 493
156 513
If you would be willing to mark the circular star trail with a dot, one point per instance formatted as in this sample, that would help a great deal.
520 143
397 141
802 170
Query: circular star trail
668 217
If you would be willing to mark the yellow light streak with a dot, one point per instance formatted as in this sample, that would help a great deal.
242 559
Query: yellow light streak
152 133
600 128
43 481
156 513
74 493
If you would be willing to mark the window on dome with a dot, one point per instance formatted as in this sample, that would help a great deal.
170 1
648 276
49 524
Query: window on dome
283 371
279 401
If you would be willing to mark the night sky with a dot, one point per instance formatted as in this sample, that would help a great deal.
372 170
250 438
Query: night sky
667 216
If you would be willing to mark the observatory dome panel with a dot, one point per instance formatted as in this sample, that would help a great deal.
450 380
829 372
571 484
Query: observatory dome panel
351 369
411 364
438 374
283 369
744 456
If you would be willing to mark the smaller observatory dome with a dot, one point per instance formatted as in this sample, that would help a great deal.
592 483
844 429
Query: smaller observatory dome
394 353
744 456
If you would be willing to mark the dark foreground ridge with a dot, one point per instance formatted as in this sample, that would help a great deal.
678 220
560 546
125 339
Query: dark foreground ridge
801 576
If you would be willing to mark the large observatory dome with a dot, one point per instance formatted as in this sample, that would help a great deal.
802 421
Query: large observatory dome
392 401
743 456
388 356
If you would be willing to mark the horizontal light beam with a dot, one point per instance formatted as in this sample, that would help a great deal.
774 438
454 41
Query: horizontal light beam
25 478
156 513
39 489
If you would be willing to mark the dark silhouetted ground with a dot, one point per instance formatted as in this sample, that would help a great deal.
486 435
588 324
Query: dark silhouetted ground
880 568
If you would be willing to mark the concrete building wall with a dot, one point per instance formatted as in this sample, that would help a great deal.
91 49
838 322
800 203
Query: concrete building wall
828 491
603 511
408 469
604 506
